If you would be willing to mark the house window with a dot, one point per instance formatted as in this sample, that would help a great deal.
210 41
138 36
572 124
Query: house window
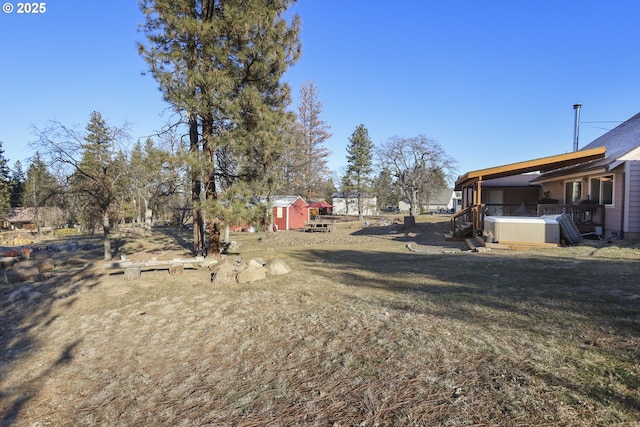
279 212
572 192
602 190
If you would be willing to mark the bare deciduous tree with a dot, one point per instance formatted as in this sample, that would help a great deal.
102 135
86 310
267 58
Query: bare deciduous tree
95 167
417 164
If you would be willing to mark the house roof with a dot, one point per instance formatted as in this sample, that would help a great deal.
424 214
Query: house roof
286 201
21 215
523 180
443 197
619 141
542 164
352 195
320 205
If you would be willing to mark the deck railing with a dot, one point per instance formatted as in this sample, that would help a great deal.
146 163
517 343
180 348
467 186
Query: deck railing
471 216
585 216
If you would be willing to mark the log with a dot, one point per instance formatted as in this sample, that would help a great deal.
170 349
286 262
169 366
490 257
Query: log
45 265
41 264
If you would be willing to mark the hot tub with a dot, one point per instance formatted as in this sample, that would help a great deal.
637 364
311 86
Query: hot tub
523 229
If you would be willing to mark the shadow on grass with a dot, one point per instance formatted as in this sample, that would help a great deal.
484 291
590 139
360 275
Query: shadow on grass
179 235
421 233
590 305
29 307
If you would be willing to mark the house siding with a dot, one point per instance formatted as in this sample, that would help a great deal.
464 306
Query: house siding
632 190
340 206
613 214
290 213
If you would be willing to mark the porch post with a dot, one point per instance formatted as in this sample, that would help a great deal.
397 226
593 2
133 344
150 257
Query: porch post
477 220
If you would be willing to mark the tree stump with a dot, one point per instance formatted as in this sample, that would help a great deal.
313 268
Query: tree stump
409 221
45 265
176 270
132 273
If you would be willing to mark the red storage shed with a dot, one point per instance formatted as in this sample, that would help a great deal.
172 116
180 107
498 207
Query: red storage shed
290 213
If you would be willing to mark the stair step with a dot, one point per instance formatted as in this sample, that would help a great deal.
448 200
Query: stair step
475 245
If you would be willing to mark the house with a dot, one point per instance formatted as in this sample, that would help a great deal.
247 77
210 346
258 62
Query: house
290 213
598 186
404 205
348 204
27 218
612 183
445 200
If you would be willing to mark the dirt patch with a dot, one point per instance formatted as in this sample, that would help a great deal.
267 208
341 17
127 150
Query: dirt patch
363 331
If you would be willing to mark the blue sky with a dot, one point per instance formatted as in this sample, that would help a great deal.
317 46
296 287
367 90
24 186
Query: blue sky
493 81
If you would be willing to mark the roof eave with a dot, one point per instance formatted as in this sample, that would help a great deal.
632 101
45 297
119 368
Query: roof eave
543 164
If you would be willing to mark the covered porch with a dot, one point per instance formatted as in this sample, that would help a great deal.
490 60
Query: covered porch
469 221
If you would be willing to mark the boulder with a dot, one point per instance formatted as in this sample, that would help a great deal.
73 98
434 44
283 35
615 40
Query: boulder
8 261
277 267
257 263
223 274
251 274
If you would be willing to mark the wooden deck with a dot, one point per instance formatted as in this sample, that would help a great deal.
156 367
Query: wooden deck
478 245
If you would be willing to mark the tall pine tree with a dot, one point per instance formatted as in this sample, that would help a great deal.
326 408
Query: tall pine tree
96 178
5 184
40 185
219 63
17 184
311 155
359 165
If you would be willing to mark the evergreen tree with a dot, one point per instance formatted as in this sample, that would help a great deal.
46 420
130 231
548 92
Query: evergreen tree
96 168
385 189
5 184
95 177
311 155
17 184
151 178
40 185
360 165
220 63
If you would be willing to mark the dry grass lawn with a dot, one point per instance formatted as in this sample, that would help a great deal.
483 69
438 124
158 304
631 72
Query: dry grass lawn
362 332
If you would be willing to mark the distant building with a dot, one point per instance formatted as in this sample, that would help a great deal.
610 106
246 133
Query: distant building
348 205
446 200
32 218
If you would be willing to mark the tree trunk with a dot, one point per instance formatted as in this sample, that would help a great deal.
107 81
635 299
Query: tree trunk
226 233
107 236
215 247
195 187
267 220
148 214
414 203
